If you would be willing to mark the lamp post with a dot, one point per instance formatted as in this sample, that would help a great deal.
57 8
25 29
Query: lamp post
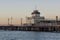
21 21
11 20
8 21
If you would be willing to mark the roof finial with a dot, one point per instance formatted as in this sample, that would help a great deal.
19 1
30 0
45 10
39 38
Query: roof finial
35 7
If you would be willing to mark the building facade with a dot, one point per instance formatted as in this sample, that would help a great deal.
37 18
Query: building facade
35 17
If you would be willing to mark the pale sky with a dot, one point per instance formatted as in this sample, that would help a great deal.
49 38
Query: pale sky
23 8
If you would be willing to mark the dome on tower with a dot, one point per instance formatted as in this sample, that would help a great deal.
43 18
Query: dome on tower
35 12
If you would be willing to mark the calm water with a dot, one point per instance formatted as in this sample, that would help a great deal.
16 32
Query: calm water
22 35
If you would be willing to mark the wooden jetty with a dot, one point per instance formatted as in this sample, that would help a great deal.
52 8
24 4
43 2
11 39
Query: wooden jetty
31 28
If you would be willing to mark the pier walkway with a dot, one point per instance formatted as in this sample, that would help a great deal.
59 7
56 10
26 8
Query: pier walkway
31 28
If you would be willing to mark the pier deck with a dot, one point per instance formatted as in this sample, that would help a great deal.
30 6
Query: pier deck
31 28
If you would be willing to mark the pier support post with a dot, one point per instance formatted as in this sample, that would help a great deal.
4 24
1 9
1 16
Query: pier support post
50 29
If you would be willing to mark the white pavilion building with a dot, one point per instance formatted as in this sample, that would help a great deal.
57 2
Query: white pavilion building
35 17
